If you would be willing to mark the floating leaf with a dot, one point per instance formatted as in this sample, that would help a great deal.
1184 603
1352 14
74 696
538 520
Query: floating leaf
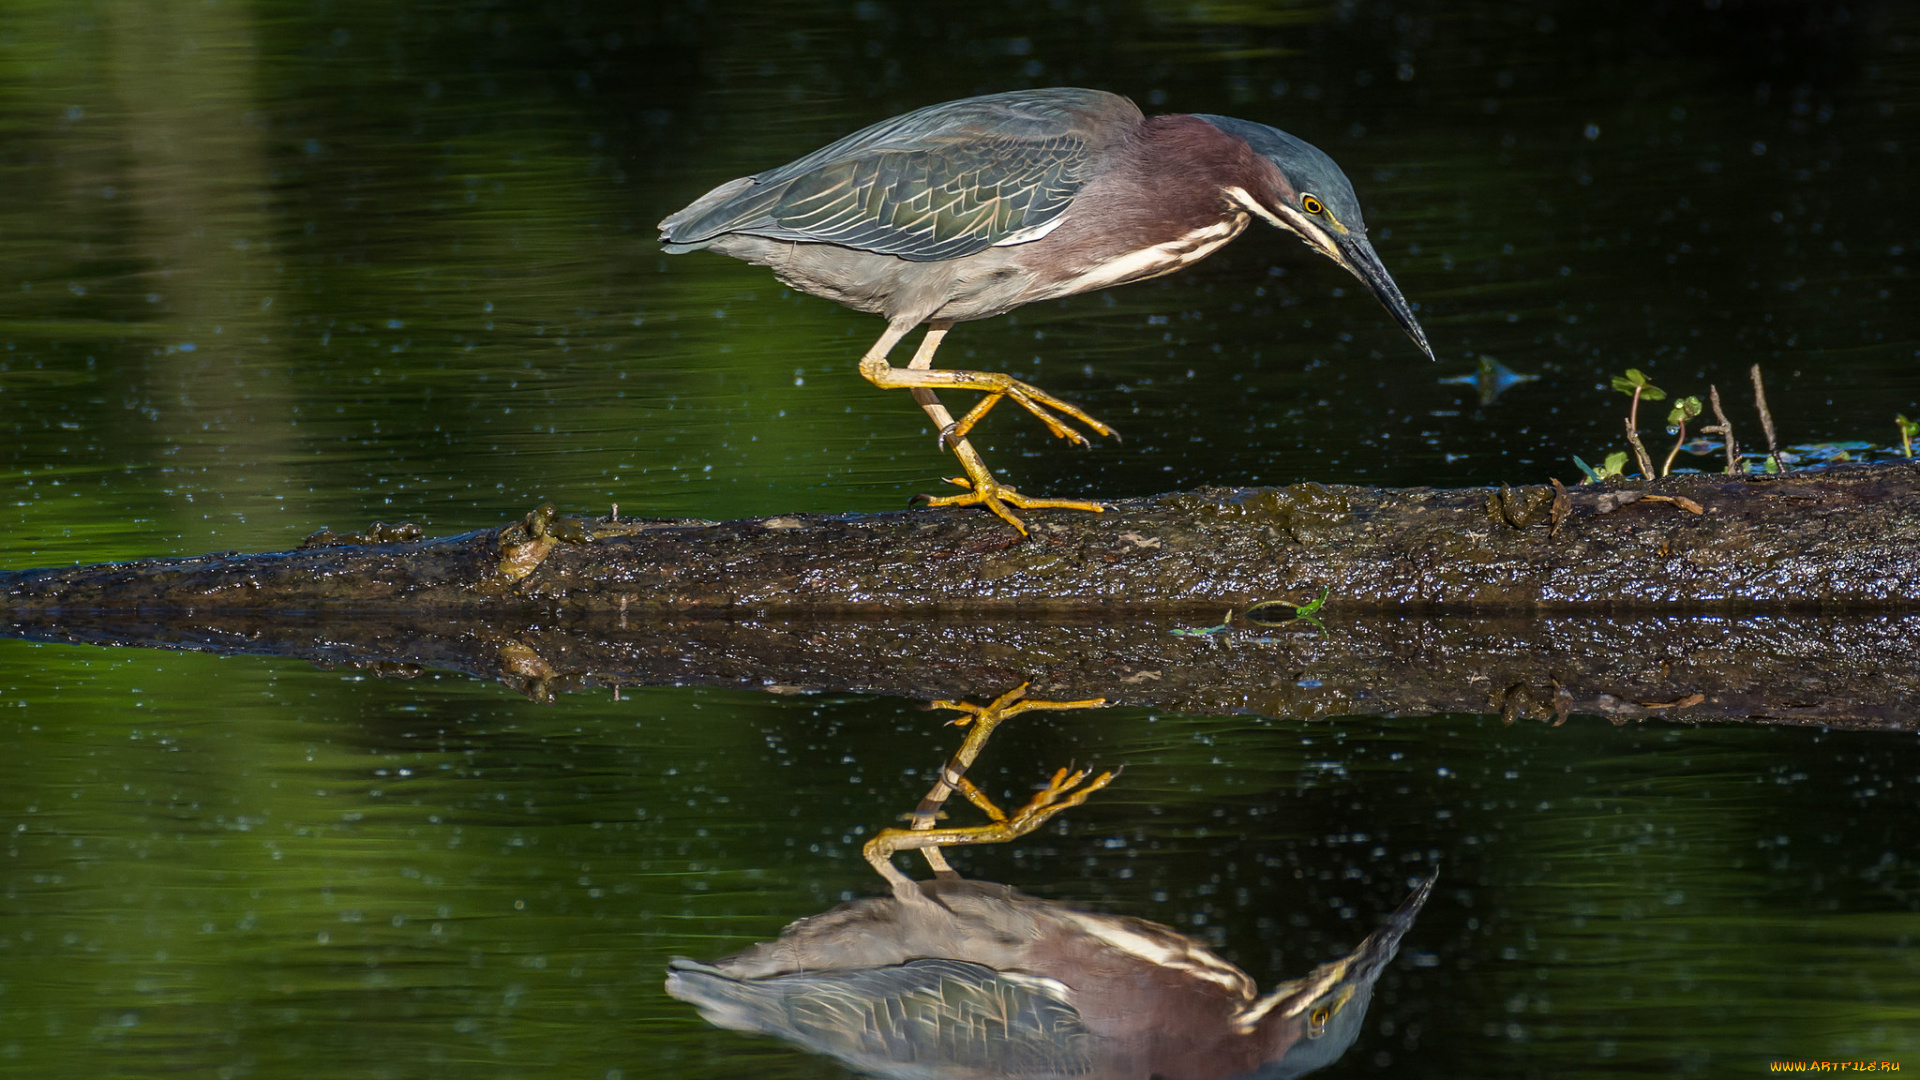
1825 452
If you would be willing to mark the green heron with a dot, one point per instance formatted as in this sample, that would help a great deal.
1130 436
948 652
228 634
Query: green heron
971 208
952 978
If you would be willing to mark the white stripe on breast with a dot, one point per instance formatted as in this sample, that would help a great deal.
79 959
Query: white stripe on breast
1171 951
1156 260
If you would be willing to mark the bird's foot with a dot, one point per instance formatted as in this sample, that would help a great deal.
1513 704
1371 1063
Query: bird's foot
1009 705
924 832
1063 792
983 718
1029 397
997 497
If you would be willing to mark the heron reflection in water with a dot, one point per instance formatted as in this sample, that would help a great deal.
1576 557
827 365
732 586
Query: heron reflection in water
951 978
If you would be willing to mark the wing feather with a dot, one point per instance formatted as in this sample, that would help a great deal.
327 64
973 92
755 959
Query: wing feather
924 1013
941 183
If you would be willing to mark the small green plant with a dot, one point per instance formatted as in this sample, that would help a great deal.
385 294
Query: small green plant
1615 465
1908 429
1683 410
1310 612
1312 607
1635 384
1682 416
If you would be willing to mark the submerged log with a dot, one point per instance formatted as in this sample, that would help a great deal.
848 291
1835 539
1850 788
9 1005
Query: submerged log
1842 538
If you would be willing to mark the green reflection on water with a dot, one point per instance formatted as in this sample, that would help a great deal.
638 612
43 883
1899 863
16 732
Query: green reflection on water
269 868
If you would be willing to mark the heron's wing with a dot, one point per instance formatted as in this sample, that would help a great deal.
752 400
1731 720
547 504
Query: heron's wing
945 181
922 1018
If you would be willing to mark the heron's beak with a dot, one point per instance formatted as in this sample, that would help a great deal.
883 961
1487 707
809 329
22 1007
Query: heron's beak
1352 251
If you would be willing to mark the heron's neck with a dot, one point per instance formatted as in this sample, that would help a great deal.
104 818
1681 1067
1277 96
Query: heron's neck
1187 165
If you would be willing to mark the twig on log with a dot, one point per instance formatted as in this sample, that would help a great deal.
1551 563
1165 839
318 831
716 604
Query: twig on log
1766 420
1724 429
1680 501
1639 451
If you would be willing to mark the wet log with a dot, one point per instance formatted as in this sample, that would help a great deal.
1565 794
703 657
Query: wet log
1842 538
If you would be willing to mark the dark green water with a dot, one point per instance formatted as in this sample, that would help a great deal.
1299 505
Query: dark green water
267 267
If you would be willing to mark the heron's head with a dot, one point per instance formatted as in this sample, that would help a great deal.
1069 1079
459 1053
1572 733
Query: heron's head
1309 196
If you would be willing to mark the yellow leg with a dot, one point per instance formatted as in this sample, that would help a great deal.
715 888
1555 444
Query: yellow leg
919 374
982 488
922 834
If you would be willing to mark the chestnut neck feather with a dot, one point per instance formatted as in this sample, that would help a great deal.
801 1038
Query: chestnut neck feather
1162 181
1169 178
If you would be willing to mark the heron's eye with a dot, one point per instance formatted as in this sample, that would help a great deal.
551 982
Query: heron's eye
1310 204
1317 1022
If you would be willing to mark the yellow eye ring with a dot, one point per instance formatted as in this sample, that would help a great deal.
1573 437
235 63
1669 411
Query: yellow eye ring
1318 1019
1310 204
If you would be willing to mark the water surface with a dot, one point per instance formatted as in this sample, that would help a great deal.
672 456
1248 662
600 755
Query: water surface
272 266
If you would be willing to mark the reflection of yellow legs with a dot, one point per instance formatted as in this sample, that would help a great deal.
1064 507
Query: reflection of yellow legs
1063 791
982 488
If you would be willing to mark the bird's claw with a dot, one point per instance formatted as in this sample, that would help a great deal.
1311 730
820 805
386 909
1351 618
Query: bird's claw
1033 399
997 497
924 499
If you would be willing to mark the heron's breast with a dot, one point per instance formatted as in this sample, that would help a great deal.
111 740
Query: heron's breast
1138 263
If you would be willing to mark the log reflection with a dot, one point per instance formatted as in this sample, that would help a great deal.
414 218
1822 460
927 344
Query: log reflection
1844 671
949 978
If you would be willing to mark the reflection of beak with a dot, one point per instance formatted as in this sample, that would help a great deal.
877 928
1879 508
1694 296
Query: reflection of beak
1362 966
1333 986
1352 251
